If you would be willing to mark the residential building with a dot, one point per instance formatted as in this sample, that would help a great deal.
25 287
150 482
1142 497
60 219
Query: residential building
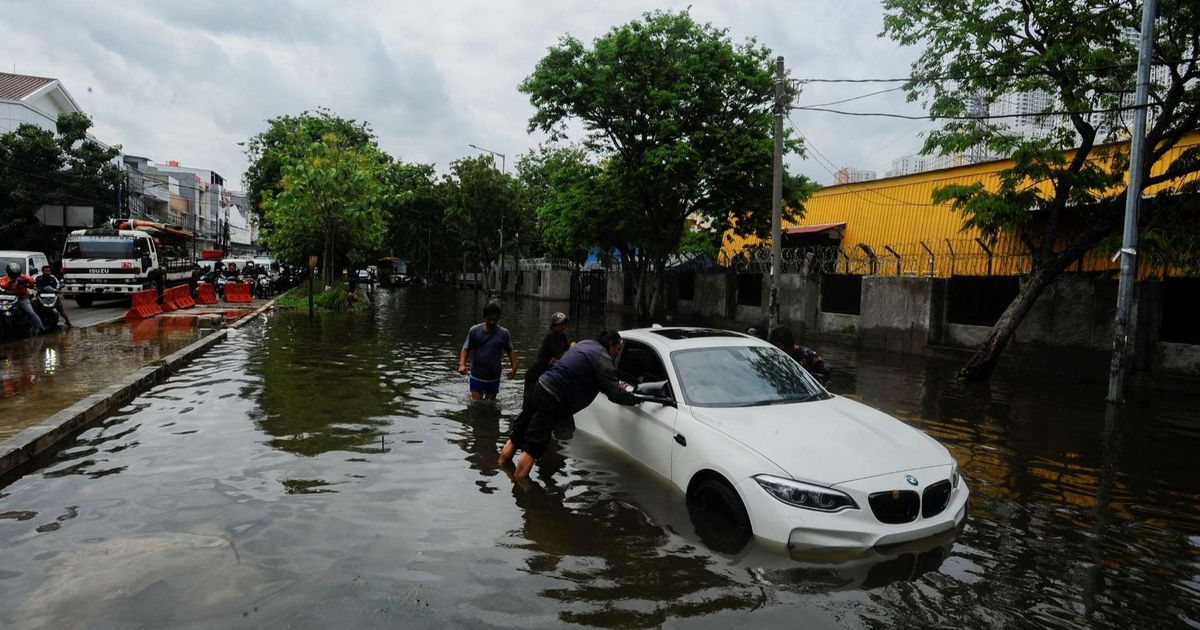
33 100
850 175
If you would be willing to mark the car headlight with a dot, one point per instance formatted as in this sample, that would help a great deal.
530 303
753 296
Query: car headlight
805 495
954 474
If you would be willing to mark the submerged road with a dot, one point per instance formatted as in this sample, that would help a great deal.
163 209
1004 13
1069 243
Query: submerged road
334 474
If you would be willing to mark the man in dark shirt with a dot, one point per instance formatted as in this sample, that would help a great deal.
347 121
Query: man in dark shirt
49 280
554 345
565 389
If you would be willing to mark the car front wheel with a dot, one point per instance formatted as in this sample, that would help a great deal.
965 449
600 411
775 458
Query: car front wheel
718 514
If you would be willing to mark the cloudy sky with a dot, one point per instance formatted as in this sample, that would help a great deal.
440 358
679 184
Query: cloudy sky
188 80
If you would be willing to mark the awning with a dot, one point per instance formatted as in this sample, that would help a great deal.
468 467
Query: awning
816 229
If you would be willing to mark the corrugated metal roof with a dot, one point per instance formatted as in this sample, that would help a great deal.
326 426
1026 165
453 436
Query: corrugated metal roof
813 229
18 86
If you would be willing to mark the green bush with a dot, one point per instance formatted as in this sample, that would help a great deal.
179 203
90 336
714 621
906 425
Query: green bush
337 299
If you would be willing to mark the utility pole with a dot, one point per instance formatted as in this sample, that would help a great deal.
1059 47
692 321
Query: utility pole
503 171
777 200
1133 197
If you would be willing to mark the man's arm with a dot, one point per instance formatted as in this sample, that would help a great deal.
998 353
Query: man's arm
512 364
462 360
610 386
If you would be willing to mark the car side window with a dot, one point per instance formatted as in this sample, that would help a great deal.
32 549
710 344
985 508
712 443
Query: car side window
639 363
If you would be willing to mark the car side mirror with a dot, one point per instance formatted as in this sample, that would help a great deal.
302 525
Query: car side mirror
653 389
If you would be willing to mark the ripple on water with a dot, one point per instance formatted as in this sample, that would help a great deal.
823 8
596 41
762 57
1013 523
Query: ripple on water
333 473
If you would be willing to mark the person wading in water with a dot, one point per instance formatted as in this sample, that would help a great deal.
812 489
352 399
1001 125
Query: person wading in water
488 341
565 389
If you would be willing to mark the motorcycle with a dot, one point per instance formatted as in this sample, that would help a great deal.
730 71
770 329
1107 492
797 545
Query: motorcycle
13 321
46 307
262 286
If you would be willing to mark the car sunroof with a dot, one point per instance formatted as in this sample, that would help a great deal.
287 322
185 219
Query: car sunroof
694 333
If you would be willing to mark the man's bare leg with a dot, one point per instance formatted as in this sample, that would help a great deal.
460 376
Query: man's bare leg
476 395
506 453
524 466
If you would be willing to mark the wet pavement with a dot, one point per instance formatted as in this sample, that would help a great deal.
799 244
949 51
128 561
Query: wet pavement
333 474
43 375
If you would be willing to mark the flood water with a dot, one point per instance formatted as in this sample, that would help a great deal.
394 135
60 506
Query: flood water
43 375
333 474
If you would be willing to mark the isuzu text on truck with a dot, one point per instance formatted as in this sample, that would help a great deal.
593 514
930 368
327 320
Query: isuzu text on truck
127 256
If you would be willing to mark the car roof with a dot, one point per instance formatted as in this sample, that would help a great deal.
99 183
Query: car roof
671 338
18 252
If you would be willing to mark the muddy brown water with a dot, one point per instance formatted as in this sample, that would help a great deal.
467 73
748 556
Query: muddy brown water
333 474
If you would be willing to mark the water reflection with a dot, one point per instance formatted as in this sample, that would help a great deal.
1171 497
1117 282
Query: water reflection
334 474
320 387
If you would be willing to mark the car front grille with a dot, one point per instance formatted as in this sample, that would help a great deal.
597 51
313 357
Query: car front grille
935 499
895 506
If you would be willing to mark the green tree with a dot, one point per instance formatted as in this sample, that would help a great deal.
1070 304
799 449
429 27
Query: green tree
1081 53
681 118
330 199
479 199
571 206
40 167
269 151
417 226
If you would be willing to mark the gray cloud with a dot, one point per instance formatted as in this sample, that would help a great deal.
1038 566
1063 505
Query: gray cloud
188 80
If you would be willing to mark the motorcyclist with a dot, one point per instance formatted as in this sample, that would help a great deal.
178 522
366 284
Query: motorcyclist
781 337
18 284
50 281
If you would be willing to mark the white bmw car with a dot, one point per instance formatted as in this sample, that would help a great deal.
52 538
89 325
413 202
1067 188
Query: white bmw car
742 426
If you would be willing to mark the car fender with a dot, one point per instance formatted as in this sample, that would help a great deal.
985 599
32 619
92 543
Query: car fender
710 449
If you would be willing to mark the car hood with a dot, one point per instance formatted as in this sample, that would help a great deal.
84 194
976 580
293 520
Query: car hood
829 441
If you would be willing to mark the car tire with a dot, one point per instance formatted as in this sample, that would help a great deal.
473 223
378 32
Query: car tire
714 493
84 301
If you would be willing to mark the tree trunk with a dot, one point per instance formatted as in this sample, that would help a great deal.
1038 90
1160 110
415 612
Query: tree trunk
981 365
649 304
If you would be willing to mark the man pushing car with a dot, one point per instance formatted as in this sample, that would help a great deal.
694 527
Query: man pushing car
568 387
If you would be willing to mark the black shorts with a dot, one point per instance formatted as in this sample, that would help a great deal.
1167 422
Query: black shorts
532 430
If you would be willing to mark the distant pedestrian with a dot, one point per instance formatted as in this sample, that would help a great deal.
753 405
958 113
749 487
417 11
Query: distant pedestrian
781 337
565 389
488 341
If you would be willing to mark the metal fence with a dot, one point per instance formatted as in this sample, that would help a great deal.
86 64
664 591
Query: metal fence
950 257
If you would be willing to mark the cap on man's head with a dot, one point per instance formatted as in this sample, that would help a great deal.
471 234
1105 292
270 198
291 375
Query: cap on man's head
558 318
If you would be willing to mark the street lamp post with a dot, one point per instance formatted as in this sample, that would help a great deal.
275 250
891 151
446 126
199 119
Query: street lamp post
500 274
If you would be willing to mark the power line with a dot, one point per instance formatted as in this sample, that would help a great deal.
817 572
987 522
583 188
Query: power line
996 75
1044 114
847 100
827 164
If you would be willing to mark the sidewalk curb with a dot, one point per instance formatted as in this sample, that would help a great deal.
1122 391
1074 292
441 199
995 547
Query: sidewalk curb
49 433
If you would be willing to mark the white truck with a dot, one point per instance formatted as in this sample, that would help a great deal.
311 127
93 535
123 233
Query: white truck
127 256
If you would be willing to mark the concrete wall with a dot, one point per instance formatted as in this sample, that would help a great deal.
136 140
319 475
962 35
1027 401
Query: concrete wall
712 296
799 301
1074 311
836 322
550 284
901 313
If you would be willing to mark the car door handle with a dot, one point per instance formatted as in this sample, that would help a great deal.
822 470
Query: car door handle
680 439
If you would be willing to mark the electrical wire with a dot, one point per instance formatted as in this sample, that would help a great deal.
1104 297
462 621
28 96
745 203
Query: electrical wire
997 75
1044 114
829 167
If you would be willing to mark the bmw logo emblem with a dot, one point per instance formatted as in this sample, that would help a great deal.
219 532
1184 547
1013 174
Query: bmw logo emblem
912 480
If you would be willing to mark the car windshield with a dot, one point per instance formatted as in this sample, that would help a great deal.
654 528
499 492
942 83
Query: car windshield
103 247
742 376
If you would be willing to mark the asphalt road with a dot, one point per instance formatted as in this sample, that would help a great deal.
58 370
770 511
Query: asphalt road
101 312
